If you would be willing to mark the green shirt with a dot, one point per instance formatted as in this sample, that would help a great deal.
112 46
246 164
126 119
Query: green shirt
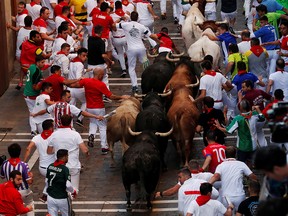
235 57
246 128
57 177
34 76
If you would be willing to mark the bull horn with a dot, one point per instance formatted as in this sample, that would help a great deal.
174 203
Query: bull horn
170 59
152 56
164 134
165 94
194 84
178 55
139 95
133 133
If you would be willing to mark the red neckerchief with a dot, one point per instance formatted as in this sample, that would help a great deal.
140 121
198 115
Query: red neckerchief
257 50
202 199
68 20
248 39
61 126
125 2
240 72
210 72
61 52
25 11
77 59
57 163
14 161
120 12
208 110
247 116
46 133
32 4
194 171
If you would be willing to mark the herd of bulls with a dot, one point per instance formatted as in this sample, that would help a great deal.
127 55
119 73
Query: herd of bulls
167 109
169 87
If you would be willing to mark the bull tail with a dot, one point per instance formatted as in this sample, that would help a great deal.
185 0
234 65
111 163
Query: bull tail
124 125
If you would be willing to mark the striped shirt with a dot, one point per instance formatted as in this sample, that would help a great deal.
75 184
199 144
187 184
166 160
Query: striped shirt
22 167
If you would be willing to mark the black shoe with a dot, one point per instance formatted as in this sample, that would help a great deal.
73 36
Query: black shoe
18 87
91 140
231 30
134 89
123 74
104 151
176 21
163 16
80 123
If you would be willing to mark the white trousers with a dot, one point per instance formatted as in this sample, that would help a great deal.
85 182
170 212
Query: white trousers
271 61
260 134
95 124
177 8
27 196
184 8
75 178
236 200
210 15
163 6
78 94
104 67
133 55
30 104
120 45
55 205
150 25
43 172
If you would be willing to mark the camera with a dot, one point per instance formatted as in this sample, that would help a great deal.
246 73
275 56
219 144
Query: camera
278 122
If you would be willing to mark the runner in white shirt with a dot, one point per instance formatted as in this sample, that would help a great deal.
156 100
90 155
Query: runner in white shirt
204 205
128 7
146 17
42 102
34 8
23 35
41 143
22 12
61 59
64 17
136 50
118 37
231 174
50 4
90 5
60 39
245 44
279 79
66 138
189 190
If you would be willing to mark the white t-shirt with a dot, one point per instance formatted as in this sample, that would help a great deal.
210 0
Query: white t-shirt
231 172
57 45
211 208
90 4
129 8
188 192
41 105
22 36
244 46
66 138
144 14
59 20
213 85
76 70
47 3
280 80
20 20
119 32
63 61
134 33
41 144
34 11
203 175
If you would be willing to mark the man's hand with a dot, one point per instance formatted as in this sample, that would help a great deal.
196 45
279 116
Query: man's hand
30 207
100 118
158 194
74 194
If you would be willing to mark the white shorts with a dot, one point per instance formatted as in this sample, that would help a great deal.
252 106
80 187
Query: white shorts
228 16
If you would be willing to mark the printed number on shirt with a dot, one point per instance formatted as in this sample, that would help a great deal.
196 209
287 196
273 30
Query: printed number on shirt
53 176
28 76
220 154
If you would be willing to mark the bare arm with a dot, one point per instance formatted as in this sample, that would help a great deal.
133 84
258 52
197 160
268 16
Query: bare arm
84 149
49 102
90 115
214 178
211 37
202 94
41 112
253 177
207 161
260 82
269 85
68 82
151 11
228 86
119 97
28 151
169 192
155 38
45 36
228 68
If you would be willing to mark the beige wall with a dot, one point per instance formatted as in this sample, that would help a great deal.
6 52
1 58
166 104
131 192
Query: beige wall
7 44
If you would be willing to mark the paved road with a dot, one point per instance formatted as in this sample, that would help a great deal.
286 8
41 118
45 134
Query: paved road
101 189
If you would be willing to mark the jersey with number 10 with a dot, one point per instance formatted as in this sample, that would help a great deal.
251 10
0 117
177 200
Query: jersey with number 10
217 153
57 177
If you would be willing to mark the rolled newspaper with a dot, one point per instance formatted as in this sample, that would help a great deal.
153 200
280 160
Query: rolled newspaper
109 114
